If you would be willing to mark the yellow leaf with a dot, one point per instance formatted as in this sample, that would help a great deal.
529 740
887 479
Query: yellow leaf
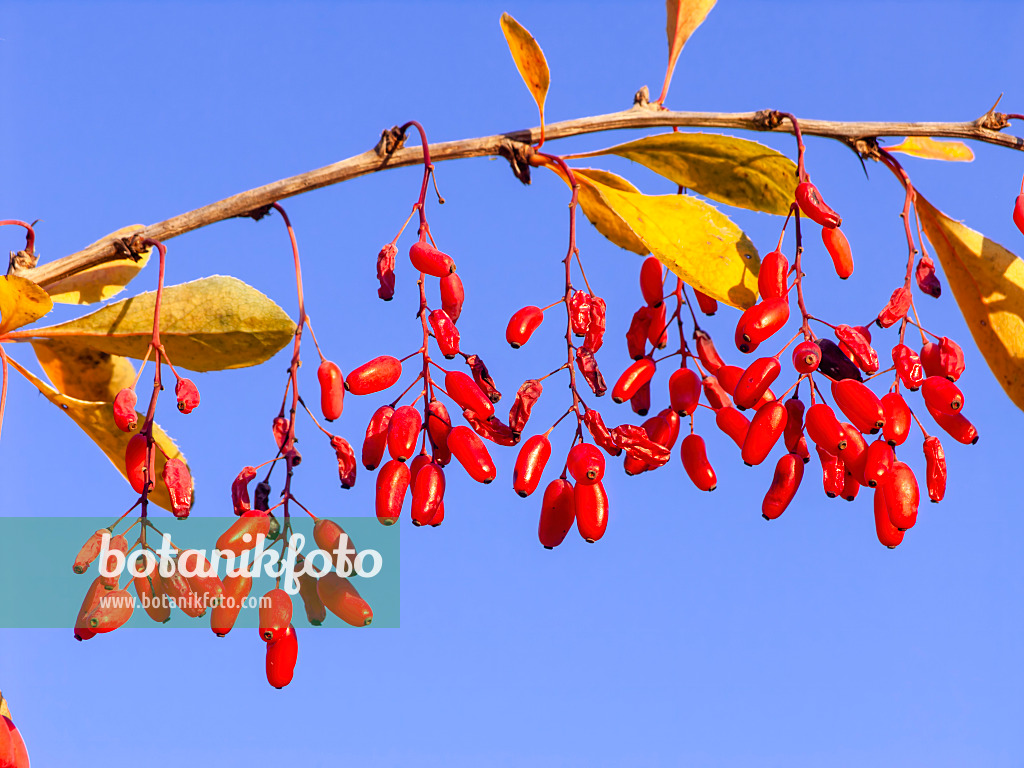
988 284
102 282
601 214
682 19
726 169
97 421
210 324
692 238
930 149
21 302
83 372
529 59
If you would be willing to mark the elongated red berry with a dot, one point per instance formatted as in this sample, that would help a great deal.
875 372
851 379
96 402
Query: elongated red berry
89 551
755 380
888 534
942 396
715 393
878 462
657 332
135 463
522 324
789 471
343 600
902 495
332 389
377 436
374 376
651 283
591 511
464 391
706 351
557 513
794 431
684 391
579 313
855 454
244 532
112 611
930 359
125 416
806 356
897 418
403 432
224 615
908 367
838 248
729 376
472 454
858 346
439 424
640 402
950 359
187 394
765 430
733 423
935 468
896 309
426 258
707 304
275 614
634 377
178 481
428 493
281 656
760 322
833 472
956 426
586 464
824 428
445 333
452 296
392 484
813 207
530 463
771 279
695 462
860 405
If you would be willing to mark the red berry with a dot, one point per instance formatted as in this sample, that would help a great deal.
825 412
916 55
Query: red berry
586 464
813 207
696 464
794 431
897 418
579 312
684 391
445 333
332 389
464 391
472 454
244 532
854 455
341 598
89 551
806 356
760 322
860 405
557 513
771 280
908 367
715 393
428 493
392 483
591 511
657 332
452 296
426 258
111 612
935 468
901 495
530 463
652 285
754 382
824 428
878 463
765 430
888 534
707 304
833 472
187 394
632 379
281 656
124 410
377 436
956 426
374 376
439 424
275 614
942 396
788 473
522 325
706 351
729 376
178 481
135 464
733 423
838 248
403 431
896 309
857 341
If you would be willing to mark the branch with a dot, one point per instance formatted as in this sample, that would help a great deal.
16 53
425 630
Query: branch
516 147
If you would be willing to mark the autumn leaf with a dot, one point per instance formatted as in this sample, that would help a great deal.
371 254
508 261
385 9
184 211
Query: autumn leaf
726 169
83 372
932 149
988 284
682 19
210 324
21 302
601 214
101 282
97 421
692 238
530 61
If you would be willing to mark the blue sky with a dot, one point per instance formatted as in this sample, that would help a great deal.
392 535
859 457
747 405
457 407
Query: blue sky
694 632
